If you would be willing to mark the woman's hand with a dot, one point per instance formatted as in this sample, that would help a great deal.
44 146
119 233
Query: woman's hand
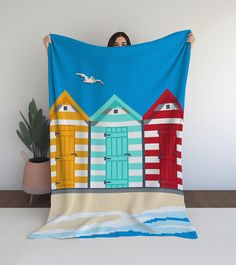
47 40
191 39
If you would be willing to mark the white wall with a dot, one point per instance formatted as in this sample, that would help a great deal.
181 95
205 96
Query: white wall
209 142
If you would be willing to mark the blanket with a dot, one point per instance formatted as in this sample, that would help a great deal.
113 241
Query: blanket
116 123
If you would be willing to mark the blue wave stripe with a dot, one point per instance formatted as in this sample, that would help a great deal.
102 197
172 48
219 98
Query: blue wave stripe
165 219
188 235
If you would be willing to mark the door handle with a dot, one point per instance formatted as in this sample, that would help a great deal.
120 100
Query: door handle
105 181
127 154
106 158
74 154
56 158
57 182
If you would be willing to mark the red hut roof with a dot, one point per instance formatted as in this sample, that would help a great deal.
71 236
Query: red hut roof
156 110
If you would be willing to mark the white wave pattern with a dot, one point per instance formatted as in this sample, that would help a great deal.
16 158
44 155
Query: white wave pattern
57 219
172 220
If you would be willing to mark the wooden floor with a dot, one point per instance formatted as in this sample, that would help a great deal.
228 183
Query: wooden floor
193 199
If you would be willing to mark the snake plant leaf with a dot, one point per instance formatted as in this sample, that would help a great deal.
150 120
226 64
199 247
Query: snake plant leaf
26 122
35 121
23 140
25 133
35 134
45 146
40 111
40 132
38 119
45 138
32 110
45 131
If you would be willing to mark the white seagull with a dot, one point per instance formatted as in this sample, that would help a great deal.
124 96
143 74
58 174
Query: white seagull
89 80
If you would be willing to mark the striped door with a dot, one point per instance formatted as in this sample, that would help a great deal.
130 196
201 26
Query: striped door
65 159
168 159
116 157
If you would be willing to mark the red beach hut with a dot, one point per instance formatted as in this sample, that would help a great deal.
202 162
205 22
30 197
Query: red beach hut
163 125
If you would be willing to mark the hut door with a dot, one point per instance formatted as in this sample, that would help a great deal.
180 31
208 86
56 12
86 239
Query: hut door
168 159
116 157
65 159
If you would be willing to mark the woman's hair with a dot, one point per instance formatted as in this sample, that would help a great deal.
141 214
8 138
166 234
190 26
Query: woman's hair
115 36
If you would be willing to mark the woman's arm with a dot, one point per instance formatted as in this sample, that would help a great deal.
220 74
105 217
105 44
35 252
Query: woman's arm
46 41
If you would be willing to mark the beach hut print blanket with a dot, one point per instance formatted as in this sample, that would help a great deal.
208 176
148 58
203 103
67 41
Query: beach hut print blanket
116 122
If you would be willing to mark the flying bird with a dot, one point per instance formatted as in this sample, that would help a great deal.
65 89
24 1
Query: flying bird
89 80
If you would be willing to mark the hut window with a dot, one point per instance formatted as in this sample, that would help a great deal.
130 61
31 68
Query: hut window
64 107
115 110
168 106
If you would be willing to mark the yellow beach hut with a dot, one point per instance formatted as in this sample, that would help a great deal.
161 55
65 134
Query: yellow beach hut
69 136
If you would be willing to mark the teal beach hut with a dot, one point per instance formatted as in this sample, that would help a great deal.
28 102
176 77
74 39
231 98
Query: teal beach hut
116 150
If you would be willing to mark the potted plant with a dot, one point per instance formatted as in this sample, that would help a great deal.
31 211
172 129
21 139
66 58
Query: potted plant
35 134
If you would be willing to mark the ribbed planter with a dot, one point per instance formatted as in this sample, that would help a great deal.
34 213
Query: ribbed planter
36 178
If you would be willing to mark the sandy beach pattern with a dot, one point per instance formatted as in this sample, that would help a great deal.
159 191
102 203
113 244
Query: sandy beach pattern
129 215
